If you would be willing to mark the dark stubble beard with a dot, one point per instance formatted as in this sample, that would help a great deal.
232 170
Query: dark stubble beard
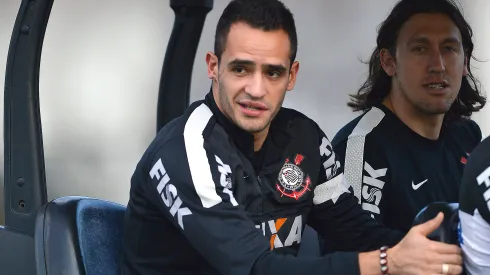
228 111
423 107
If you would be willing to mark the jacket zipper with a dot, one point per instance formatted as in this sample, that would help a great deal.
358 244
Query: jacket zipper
259 181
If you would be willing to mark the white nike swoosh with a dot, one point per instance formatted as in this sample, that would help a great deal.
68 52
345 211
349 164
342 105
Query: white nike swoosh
417 186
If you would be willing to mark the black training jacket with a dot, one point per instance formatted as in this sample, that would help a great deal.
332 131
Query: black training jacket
396 172
202 202
474 211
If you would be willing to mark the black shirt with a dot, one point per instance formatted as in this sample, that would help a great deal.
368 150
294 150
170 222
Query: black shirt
199 206
395 172
474 214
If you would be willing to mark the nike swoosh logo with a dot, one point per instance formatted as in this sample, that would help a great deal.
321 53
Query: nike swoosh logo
417 186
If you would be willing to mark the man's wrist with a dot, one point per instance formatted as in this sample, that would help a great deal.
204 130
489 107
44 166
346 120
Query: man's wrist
370 262
383 260
391 262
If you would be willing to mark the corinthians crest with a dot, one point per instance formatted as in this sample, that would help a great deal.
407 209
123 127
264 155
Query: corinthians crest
293 182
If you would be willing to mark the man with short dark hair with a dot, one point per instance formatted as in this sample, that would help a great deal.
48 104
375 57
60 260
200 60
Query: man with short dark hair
474 211
228 187
409 146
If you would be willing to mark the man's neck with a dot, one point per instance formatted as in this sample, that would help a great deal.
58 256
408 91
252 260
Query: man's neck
428 126
259 138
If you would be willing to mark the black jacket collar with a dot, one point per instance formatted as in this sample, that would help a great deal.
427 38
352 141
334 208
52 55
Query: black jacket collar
242 138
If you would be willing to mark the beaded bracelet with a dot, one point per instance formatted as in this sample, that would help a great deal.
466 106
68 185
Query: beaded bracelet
383 255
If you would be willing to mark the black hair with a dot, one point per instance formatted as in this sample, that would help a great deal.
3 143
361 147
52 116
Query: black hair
378 83
267 15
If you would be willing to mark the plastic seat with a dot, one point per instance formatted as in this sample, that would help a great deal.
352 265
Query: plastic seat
79 235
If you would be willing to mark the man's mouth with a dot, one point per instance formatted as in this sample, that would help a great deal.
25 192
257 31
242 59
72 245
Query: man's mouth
437 85
253 106
249 107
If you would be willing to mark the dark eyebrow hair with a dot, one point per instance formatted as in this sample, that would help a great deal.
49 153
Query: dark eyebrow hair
279 68
242 62
452 40
424 40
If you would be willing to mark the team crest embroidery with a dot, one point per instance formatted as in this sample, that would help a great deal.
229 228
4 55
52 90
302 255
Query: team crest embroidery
464 159
293 182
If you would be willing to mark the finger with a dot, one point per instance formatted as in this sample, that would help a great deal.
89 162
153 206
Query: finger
452 269
452 259
443 248
431 225
455 269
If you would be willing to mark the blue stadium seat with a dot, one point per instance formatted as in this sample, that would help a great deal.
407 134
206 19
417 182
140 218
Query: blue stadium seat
79 235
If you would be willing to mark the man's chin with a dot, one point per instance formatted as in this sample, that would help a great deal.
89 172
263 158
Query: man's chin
252 127
435 107
435 110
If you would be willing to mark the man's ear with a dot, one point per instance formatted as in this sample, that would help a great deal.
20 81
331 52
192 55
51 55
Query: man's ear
387 62
212 62
465 69
293 72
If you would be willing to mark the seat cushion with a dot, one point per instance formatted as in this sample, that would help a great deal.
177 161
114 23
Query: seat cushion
79 235
100 233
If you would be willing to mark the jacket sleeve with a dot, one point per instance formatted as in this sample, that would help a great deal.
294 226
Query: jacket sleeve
474 211
367 171
191 185
337 216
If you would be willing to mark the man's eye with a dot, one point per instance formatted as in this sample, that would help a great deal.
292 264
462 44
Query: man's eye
239 70
450 49
274 74
418 49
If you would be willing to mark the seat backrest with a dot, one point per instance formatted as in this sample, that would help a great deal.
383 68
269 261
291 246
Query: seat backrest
79 235
447 232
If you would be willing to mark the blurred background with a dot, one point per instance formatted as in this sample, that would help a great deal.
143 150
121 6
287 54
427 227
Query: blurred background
101 65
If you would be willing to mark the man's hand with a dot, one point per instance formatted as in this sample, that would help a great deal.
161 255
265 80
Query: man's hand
416 254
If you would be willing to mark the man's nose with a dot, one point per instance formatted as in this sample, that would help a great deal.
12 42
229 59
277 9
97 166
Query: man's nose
256 87
437 64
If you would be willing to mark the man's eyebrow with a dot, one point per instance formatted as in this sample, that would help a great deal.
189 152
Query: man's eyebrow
240 62
276 67
451 40
416 40
244 62
424 40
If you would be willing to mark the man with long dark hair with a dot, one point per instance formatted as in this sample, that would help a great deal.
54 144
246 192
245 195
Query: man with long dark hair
409 146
